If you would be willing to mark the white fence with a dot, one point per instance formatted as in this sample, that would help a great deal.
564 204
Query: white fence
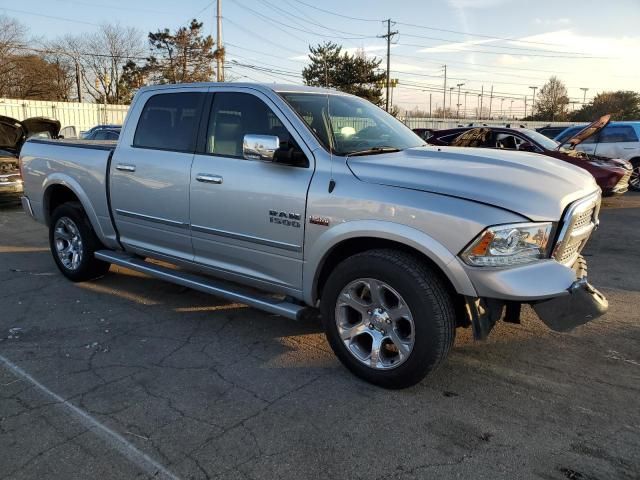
81 116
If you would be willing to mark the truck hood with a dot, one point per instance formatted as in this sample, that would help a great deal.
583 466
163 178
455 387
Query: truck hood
13 133
535 186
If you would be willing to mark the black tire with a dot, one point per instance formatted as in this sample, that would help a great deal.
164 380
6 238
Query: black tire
88 266
634 181
425 294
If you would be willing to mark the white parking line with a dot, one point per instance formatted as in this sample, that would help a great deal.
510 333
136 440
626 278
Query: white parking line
113 439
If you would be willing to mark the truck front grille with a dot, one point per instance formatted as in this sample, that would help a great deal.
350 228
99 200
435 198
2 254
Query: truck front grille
580 219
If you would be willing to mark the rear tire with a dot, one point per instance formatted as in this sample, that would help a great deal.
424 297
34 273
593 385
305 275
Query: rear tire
395 337
73 243
634 181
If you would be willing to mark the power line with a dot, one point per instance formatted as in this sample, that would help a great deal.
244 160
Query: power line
337 14
465 50
264 17
492 46
480 35
64 19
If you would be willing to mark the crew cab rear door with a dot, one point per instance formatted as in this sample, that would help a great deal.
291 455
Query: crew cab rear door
247 216
150 172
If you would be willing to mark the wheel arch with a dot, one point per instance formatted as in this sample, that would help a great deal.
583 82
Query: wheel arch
358 236
60 189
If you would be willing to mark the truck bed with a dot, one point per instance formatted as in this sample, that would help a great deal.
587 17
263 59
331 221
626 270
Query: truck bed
82 166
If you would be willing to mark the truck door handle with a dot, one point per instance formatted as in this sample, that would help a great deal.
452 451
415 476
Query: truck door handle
125 167
208 178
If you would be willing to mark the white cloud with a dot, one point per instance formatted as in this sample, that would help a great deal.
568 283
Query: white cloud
457 46
475 3
555 22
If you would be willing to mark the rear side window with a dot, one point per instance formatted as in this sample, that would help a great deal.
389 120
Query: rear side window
169 121
617 134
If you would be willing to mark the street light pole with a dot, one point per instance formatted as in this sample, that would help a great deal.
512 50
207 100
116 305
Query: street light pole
450 90
465 105
458 111
533 101
584 96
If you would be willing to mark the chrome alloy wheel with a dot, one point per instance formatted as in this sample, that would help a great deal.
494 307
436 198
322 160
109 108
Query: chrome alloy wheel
68 243
634 181
375 323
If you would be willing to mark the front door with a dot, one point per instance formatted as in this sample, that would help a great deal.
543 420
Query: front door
151 171
247 216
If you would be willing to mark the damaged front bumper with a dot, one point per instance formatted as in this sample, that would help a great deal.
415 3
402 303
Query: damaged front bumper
583 304
576 305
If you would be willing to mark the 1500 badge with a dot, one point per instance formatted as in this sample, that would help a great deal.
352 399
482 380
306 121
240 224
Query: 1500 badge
285 218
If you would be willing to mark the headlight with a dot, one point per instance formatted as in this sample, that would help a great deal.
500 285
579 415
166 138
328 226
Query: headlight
505 245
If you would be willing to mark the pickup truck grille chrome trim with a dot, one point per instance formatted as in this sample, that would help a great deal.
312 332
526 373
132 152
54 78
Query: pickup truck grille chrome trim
150 218
247 238
579 221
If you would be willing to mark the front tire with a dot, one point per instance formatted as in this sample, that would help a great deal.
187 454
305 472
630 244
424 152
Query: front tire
73 243
388 317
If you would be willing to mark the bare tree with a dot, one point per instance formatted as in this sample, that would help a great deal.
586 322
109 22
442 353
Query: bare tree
100 60
110 48
12 43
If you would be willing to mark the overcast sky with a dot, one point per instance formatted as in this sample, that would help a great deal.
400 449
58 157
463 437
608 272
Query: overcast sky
509 44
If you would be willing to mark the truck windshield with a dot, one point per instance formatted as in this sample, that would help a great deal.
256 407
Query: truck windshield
350 125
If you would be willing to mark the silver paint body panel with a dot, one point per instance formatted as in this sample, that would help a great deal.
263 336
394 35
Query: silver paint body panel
435 200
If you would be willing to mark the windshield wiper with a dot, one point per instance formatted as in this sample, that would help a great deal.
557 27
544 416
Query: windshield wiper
374 151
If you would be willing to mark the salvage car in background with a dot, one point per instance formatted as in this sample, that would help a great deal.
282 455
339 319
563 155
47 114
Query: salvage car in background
612 175
615 140
550 131
105 133
13 134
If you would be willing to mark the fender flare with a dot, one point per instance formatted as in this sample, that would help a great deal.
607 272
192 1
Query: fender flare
409 236
68 182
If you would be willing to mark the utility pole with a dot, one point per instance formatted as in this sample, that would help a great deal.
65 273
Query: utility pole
501 107
490 101
219 47
458 111
78 86
584 96
511 110
388 36
481 98
533 101
430 105
444 95
525 107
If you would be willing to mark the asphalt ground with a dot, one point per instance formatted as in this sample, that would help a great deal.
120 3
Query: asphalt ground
130 377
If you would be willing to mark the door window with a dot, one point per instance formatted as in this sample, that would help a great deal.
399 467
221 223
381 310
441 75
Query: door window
169 121
618 134
235 115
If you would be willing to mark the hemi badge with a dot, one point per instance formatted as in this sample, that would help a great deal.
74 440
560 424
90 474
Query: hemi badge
316 220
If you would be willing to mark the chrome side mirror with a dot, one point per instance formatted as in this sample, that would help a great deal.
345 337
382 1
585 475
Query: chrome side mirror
260 147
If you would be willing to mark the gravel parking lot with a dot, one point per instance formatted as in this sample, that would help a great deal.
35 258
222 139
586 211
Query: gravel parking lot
130 377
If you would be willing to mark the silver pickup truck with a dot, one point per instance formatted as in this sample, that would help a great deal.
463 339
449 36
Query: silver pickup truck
290 199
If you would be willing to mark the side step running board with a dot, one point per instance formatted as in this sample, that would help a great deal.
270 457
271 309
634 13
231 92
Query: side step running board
215 287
